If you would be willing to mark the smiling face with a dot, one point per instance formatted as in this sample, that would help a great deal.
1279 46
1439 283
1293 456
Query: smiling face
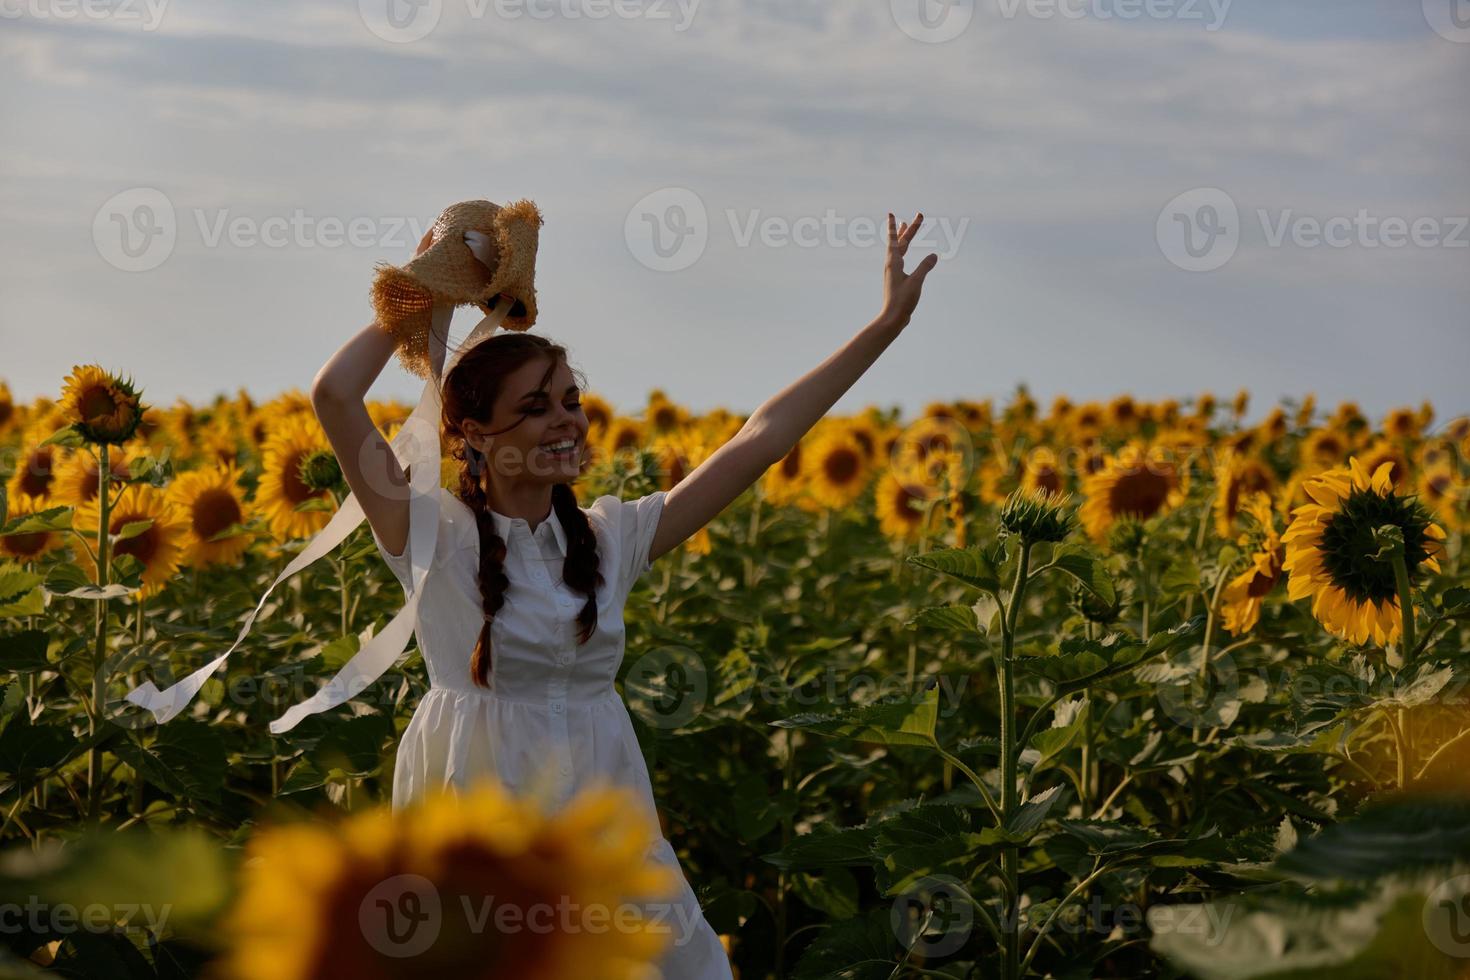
533 412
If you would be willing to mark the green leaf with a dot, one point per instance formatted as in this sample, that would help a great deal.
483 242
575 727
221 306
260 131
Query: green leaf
820 849
1393 929
354 745
1087 567
16 583
903 721
853 949
1031 814
132 529
972 566
960 618
27 749
50 519
64 578
835 892
757 811
1416 835
67 436
186 759
23 652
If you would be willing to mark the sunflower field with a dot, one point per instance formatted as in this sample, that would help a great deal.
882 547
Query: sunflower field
1105 689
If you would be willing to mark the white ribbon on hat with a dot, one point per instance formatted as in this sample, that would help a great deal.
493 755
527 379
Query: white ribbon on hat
417 447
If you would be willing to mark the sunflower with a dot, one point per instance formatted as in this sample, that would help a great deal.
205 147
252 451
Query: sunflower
1324 448
481 885
1237 477
1240 404
622 437
30 545
1241 599
1204 405
663 415
901 512
599 412
102 407
840 468
159 546
295 440
785 482
1381 451
8 413
35 465
1445 494
1331 552
923 454
210 501
1132 483
1123 413
1307 411
76 474
1087 421
1402 424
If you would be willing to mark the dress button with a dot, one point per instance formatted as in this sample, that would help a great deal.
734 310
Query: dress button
556 707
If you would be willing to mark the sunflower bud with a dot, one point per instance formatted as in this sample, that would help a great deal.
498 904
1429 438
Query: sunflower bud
1036 517
321 471
102 408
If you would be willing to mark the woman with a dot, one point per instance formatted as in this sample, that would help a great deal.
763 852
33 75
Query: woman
521 620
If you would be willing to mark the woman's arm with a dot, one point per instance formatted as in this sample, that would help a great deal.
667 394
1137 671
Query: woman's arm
777 426
368 464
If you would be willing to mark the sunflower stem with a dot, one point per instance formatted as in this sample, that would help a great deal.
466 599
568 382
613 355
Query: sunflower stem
94 709
1406 598
1009 759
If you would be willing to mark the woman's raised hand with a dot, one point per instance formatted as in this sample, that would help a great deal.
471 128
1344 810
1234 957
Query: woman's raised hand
901 290
424 243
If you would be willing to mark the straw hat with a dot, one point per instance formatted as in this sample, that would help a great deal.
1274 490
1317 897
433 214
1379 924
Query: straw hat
402 297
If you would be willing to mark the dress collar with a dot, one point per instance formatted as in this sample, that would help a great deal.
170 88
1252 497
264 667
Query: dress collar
504 526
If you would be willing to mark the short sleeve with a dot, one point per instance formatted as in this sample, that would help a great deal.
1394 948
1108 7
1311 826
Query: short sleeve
632 525
400 565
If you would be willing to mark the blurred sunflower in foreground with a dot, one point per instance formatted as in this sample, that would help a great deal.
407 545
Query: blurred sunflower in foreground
475 886
103 408
1333 554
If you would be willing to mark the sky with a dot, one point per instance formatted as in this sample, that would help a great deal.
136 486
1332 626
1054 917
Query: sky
1151 197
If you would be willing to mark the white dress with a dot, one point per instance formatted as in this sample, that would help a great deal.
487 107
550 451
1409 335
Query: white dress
554 721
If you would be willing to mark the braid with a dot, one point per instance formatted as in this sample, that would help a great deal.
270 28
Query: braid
469 392
493 580
580 570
